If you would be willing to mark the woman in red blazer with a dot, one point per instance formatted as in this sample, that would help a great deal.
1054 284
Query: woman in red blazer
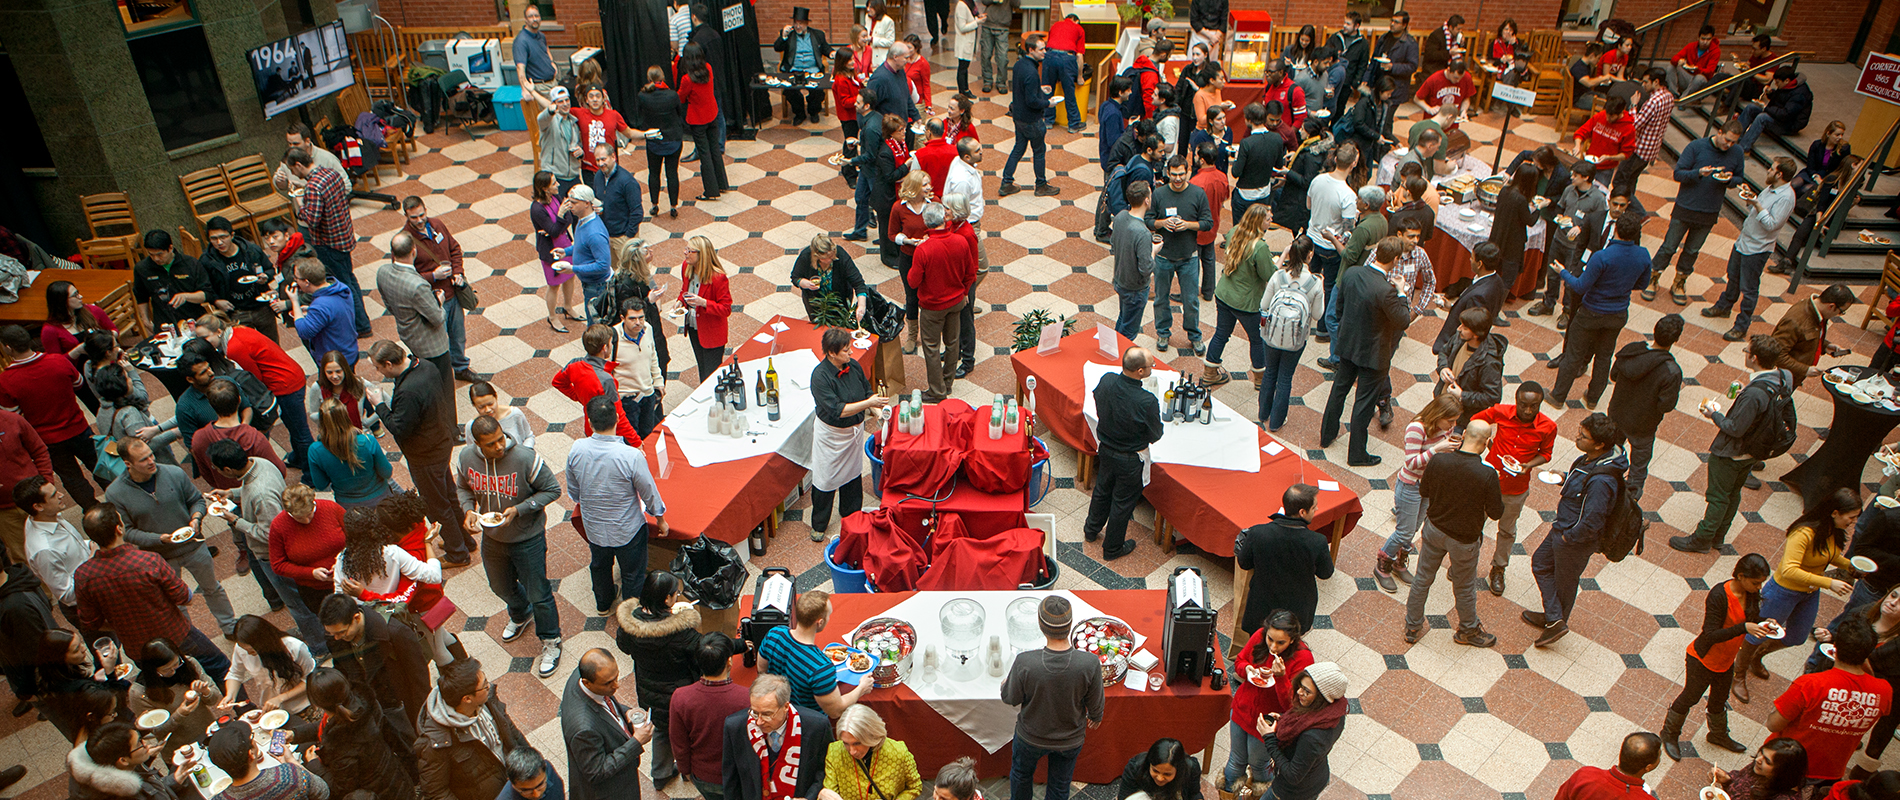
708 301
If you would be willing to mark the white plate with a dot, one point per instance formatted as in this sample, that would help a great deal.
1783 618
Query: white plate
1864 564
490 519
1712 793
1827 649
1887 502
1468 213
1054 99
1551 477
1775 629
154 718
181 535
273 719
1476 227
1401 152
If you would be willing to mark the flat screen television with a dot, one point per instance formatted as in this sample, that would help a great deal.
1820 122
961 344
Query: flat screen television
305 67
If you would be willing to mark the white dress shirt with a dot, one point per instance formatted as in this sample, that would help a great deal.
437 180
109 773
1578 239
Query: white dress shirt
54 551
968 181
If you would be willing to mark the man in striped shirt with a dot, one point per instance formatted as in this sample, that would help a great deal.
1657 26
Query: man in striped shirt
324 211
1652 119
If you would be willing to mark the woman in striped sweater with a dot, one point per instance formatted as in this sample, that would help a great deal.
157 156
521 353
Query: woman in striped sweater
1431 433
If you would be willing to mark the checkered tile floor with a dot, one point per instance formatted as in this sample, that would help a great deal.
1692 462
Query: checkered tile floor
1430 720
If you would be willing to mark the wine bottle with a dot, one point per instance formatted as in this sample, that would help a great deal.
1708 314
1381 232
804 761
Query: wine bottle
1207 408
758 387
771 375
771 402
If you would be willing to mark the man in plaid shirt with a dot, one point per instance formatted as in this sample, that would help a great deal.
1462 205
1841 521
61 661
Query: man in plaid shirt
324 210
137 596
1652 119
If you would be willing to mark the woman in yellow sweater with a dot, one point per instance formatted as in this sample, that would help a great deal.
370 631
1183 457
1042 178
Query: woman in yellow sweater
1815 542
863 764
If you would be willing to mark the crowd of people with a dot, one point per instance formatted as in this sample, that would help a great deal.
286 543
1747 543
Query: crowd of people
384 701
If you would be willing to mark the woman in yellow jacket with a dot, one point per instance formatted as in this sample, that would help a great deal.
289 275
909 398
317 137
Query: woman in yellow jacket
1815 542
863 764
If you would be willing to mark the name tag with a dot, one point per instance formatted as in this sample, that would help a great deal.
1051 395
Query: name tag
1174 212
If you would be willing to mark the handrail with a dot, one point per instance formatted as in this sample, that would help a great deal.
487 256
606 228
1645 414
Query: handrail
1765 66
1859 172
1829 224
1666 18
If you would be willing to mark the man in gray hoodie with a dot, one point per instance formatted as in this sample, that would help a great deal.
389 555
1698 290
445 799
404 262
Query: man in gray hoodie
156 499
505 489
1133 248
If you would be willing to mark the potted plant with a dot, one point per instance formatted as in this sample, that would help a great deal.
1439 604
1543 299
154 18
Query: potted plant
1028 331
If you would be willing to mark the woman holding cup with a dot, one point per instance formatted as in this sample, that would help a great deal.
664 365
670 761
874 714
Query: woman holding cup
1262 686
177 684
708 300
661 633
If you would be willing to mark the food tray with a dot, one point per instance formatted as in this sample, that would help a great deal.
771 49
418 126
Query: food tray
1109 640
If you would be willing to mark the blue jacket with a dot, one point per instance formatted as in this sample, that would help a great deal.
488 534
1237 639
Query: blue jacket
592 256
1136 169
619 195
1614 272
354 487
329 322
1113 121
1025 81
892 88
1588 496
1696 192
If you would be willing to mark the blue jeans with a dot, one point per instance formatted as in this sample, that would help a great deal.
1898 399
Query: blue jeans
1557 565
1794 610
261 575
632 557
1031 135
337 264
1210 271
1066 70
309 627
1327 262
452 320
1276 387
589 292
1757 122
1022 770
1128 319
1188 271
1246 751
1744 280
1863 594
861 201
1407 509
1225 318
518 574
296 421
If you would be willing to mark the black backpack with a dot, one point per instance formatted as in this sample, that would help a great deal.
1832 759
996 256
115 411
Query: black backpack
1774 431
1142 111
1624 531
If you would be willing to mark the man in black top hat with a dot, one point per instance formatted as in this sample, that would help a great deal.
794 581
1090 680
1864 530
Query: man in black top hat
802 51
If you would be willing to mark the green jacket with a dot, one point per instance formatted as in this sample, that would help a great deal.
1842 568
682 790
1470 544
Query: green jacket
1241 289
1371 228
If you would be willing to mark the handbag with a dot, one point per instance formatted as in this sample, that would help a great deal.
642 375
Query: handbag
466 296
107 465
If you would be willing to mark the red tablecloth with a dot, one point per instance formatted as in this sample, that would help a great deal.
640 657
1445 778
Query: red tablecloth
983 514
1208 506
1451 262
1001 463
1131 720
727 500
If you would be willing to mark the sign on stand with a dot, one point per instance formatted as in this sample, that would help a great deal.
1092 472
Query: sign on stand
1880 78
1517 96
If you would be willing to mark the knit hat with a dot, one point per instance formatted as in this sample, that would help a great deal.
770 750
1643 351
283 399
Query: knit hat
1054 614
1328 678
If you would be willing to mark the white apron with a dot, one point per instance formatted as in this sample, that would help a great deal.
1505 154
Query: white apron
837 455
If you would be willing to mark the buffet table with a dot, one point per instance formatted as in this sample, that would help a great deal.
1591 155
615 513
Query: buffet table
727 499
1450 250
1855 434
1208 506
1131 720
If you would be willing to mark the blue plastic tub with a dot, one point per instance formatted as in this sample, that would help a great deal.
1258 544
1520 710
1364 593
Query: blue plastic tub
844 580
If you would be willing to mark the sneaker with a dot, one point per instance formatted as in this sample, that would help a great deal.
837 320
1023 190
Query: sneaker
1715 312
1552 633
1735 334
1200 348
1474 637
550 658
1385 414
1047 190
1077 128
1541 309
1008 188
1161 344
604 612
513 630
1497 581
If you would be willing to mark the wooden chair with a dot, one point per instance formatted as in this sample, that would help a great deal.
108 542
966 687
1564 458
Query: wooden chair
1547 47
1568 114
352 103
380 65
1889 284
209 195
588 34
110 252
1553 90
123 310
109 214
251 188
190 245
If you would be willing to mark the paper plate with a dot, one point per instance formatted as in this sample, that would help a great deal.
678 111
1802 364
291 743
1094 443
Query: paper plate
490 519
154 718
181 535
1887 502
1053 99
1863 563
1827 649
1550 477
1775 629
1468 213
1712 793
274 719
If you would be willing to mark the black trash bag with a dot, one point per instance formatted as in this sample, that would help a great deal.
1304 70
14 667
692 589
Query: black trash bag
712 572
881 316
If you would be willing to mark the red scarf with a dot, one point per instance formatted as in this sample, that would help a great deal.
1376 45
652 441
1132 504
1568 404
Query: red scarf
778 778
898 150
1292 723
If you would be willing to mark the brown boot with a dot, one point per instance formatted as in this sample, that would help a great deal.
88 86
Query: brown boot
1213 375
1649 292
910 338
1259 788
1762 651
1679 291
1256 376
1744 659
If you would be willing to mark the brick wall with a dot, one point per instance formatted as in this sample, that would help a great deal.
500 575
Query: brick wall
445 13
1827 27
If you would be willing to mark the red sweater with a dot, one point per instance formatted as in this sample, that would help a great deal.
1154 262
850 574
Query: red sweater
266 359
1605 137
296 548
54 338
701 106
22 455
1596 783
252 440
942 269
1251 701
41 388
697 725
1706 65
580 381
919 73
935 158
907 222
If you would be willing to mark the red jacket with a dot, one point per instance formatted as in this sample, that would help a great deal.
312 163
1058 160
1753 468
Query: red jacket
1147 74
1596 783
844 93
1606 137
701 105
290 248
297 549
935 158
266 359
1251 701
942 269
1292 103
42 389
1704 66
22 455
710 319
581 380
918 71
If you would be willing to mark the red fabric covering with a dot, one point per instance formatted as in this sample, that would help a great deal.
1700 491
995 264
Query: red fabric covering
924 464
891 558
963 563
984 514
1451 262
998 466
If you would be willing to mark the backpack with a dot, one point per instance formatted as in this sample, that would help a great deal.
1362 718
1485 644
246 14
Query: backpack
263 404
1774 431
1104 217
1142 111
1283 319
1625 529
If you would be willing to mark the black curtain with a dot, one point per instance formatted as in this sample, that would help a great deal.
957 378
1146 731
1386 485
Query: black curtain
634 33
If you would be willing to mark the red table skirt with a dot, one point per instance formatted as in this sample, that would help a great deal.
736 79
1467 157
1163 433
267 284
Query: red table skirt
727 500
1210 507
1131 720
1451 262
1059 389
983 514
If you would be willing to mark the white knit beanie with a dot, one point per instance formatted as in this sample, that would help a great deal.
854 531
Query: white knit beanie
1329 679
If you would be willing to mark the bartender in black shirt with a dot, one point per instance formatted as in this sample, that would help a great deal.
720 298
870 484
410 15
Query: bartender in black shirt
247 275
169 285
842 394
1128 421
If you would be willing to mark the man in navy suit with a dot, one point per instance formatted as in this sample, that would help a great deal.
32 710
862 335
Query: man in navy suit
777 740
603 744
1373 313
1485 291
